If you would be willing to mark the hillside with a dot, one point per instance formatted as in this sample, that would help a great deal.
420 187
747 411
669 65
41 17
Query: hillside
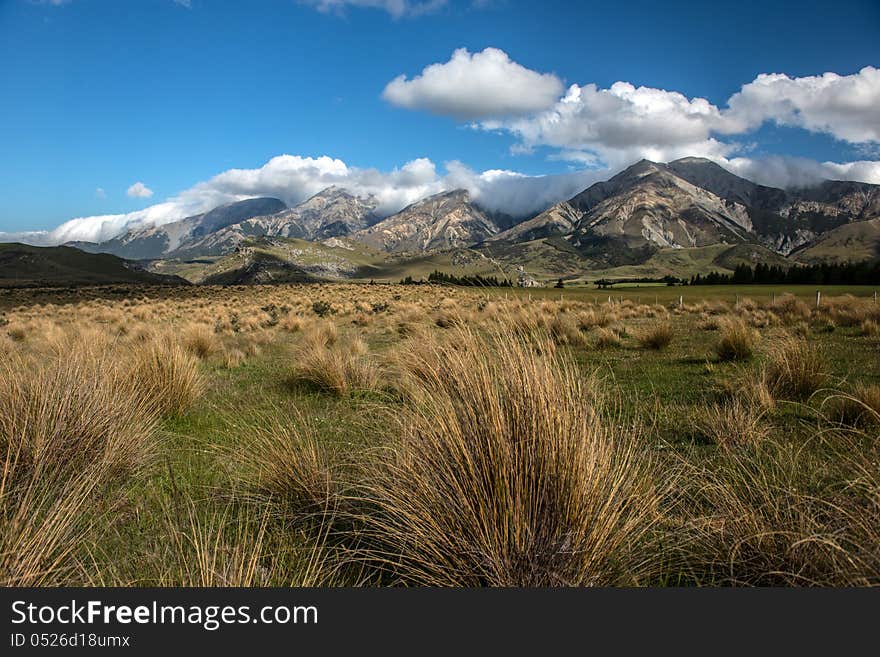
443 221
59 266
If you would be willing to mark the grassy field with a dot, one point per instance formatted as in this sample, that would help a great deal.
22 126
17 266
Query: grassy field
421 435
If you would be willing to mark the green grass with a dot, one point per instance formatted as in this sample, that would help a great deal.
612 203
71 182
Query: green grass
657 389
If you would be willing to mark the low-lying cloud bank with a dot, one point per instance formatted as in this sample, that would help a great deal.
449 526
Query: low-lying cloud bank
294 178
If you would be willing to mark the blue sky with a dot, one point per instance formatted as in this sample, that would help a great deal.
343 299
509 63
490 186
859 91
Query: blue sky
102 94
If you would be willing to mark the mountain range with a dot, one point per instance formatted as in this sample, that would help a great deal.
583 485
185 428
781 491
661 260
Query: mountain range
632 219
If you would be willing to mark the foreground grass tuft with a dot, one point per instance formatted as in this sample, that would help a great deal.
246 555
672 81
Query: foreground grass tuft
507 474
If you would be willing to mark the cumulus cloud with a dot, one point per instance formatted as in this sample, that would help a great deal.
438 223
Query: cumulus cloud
844 106
617 125
476 86
397 8
621 124
139 190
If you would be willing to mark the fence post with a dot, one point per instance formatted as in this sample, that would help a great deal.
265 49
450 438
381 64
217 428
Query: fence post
680 300
818 298
875 296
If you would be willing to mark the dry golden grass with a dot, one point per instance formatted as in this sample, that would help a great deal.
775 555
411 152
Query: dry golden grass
285 462
737 340
166 374
220 550
200 341
657 336
564 330
794 370
606 338
761 525
68 428
870 328
858 408
735 423
789 309
341 367
506 474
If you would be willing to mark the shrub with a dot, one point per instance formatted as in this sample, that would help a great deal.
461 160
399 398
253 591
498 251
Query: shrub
737 340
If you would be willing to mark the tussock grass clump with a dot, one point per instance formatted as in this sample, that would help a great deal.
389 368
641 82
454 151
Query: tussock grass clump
220 548
789 309
565 331
166 374
17 332
507 474
794 370
73 410
69 427
733 424
847 310
200 341
291 323
606 338
762 525
287 464
870 328
859 408
737 340
341 367
592 318
657 336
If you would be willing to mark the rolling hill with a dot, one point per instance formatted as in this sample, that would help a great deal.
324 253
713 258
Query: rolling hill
22 265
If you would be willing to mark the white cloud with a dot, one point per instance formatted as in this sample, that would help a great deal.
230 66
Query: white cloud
622 124
844 106
139 190
397 8
791 172
100 193
476 86
184 3
517 194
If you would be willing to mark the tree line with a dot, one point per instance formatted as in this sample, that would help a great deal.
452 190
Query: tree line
475 280
848 273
